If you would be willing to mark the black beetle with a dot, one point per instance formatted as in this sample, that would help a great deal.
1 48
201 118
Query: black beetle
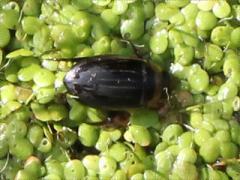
112 82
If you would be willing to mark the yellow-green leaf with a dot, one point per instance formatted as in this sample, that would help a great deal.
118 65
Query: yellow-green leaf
19 52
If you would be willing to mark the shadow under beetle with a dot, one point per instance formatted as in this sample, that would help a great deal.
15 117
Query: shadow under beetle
113 82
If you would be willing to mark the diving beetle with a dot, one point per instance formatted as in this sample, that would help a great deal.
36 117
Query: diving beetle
113 82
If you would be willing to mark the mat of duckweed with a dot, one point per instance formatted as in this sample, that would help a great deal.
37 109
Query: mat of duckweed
45 133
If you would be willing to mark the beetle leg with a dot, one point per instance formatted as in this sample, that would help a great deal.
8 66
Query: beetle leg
73 97
117 119
114 119
137 48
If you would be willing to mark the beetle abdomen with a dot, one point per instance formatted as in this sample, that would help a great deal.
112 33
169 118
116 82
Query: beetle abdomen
121 83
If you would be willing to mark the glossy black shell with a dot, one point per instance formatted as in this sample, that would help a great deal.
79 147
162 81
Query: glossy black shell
112 82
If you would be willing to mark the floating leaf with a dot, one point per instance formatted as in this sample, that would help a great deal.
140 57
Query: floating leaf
8 108
19 52
40 112
145 117
1 56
